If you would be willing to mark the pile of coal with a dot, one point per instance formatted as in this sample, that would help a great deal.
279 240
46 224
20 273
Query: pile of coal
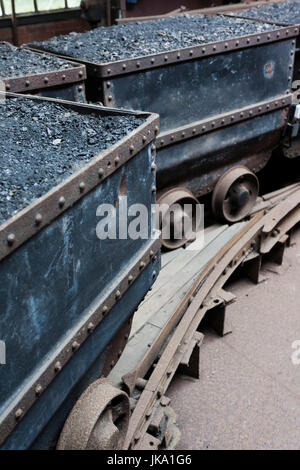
282 12
103 45
19 62
43 143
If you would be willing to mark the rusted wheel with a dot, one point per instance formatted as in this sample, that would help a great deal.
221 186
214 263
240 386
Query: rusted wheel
98 421
179 217
235 194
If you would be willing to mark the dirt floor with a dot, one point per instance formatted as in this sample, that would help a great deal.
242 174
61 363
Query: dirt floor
248 396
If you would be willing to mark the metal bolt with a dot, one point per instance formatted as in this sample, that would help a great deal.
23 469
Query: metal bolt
118 294
194 131
108 84
80 74
75 346
138 64
80 88
101 172
82 186
11 239
18 413
144 139
152 61
46 79
203 128
178 55
63 77
191 53
61 201
131 148
105 309
117 160
130 279
38 219
27 83
124 66
7 86
153 167
151 254
57 366
156 130
109 97
90 327
108 71
203 50
142 265
154 189
38 390
166 58
237 43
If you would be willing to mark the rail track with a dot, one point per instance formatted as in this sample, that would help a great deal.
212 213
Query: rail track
165 335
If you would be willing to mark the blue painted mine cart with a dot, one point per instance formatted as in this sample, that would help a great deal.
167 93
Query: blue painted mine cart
24 71
222 104
68 297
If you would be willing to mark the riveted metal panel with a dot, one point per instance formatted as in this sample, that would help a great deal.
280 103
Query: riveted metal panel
198 89
197 163
40 427
61 282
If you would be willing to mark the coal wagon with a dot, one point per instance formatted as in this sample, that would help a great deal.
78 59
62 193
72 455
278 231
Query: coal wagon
24 71
220 85
67 294
283 14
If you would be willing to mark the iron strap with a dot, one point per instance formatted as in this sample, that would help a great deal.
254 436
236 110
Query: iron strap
222 120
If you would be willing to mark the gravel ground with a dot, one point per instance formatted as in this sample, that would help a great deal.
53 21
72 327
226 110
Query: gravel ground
18 62
43 143
104 44
285 12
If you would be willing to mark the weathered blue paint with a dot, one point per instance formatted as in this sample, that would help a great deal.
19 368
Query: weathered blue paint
48 285
198 89
71 92
41 425
198 163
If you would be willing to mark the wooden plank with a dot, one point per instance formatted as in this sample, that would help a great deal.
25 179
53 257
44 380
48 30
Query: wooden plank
182 258
178 281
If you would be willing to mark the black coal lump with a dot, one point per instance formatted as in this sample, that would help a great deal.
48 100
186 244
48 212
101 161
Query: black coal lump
103 45
283 12
18 62
43 143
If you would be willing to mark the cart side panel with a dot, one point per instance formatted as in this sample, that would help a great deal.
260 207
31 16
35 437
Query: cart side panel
47 285
197 163
195 90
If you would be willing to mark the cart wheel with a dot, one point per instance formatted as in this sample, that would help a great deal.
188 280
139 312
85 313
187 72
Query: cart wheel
179 217
98 421
235 194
